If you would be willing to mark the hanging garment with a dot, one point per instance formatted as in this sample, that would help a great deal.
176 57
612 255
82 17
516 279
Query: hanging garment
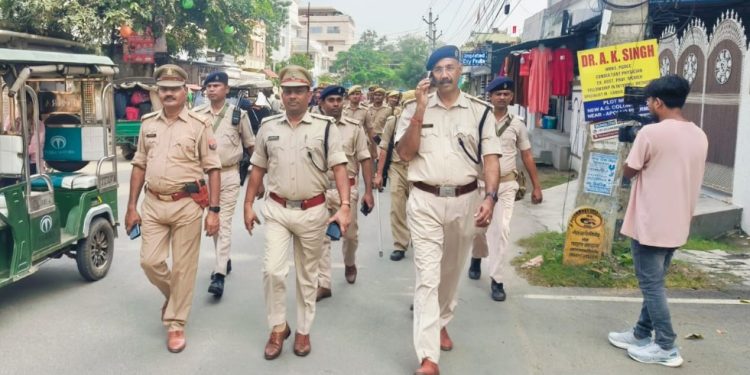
562 71
540 84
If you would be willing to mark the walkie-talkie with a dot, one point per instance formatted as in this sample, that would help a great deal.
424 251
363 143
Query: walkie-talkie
237 113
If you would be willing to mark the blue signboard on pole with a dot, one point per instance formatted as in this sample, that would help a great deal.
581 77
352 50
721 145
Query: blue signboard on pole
477 58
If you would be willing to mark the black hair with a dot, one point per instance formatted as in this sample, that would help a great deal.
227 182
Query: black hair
671 89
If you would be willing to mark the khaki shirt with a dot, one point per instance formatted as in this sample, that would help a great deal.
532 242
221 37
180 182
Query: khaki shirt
177 153
354 142
230 138
440 159
514 138
389 131
359 113
292 156
376 116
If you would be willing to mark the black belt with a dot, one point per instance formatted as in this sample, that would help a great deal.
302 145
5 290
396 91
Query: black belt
447 191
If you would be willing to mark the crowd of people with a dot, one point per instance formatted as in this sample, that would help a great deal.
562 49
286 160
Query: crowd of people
448 158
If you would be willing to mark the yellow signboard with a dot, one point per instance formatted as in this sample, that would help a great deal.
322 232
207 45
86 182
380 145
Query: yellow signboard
606 71
583 241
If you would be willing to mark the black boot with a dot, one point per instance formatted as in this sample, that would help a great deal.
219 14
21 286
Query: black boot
397 255
217 285
229 266
475 270
498 293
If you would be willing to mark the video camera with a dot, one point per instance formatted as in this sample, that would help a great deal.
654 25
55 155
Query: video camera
634 97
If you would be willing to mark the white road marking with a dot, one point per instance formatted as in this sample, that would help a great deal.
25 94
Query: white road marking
695 301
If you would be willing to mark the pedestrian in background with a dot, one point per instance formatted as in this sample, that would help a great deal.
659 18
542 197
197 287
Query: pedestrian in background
666 163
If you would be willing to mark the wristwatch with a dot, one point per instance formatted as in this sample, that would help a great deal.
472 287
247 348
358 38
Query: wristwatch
491 194
214 209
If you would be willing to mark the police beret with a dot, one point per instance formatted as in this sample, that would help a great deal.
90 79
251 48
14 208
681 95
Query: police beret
500 83
332 90
354 89
295 75
443 52
219 77
170 75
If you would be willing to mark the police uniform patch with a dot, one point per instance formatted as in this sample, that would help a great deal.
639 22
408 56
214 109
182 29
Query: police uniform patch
273 138
212 143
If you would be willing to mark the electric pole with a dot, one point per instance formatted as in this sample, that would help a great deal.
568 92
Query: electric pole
432 32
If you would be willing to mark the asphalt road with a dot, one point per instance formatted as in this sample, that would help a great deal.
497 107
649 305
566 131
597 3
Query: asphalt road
54 322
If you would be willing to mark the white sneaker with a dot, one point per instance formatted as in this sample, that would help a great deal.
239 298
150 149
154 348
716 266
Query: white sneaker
653 353
626 340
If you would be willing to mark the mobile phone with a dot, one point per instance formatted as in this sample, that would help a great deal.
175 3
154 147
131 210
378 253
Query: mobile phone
334 231
364 209
135 232
432 79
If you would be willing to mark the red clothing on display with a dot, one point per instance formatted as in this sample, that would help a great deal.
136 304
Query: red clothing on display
540 84
562 71
525 64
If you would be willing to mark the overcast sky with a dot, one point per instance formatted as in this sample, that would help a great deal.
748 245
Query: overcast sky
457 18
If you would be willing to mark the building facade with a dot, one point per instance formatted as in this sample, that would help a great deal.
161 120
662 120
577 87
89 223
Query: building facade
334 30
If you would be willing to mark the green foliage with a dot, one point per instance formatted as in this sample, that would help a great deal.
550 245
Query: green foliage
373 60
614 271
96 22
699 243
300 59
328 78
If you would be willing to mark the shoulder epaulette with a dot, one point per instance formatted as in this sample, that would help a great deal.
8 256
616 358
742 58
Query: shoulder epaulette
270 118
351 120
322 117
203 119
201 107
477 100
149 115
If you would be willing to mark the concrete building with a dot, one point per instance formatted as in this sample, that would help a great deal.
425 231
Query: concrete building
254 59
334 30
288 34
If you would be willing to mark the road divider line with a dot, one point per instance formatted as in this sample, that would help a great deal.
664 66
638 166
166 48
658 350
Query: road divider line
693 301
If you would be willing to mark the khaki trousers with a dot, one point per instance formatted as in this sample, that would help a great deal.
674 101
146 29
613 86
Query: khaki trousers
441 230
495 239
230 191
175 225
305 231
350 239
399 194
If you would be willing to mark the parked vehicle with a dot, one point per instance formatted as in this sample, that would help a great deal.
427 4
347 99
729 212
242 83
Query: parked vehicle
71 208
134 97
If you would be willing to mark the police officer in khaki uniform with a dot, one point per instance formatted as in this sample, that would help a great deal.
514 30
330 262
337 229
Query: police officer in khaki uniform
438 134
399 185
231 139
495 240
377 114
292 148
357 110
175 148
393 98
354 142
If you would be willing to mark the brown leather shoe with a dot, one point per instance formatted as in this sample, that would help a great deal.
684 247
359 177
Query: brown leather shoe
176 341
446 344
428 368
301 344
323 293
276 343
350 272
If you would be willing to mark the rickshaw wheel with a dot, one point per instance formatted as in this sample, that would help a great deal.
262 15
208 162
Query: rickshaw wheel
94 255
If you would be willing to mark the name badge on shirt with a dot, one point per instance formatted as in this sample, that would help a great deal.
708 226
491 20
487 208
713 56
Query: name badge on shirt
151 135
427 126
273 138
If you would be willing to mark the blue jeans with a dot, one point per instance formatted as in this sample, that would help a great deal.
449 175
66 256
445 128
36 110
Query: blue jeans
651 265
